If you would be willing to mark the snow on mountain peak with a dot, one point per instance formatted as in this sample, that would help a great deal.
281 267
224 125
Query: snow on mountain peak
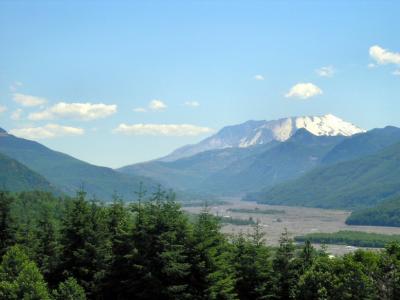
253 133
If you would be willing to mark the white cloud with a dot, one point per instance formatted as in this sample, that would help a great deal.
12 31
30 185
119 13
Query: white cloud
46 132
396 72
383 56
28 100
192 103
327 71
258 77
16 114
78 111
14 87
304 91
2 109
140 109
162 129
157 105
371 66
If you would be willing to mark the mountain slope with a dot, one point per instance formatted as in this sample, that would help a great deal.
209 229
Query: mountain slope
253 133
385 213
235 171
68 173
287 160
352 184
16 177
363 144
188 173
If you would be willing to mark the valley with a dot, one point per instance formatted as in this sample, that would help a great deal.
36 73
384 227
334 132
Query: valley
297 220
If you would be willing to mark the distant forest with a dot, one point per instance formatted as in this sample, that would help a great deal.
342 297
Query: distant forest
385 213
77 248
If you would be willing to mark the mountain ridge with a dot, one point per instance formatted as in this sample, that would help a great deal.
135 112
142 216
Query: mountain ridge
69 174
253 132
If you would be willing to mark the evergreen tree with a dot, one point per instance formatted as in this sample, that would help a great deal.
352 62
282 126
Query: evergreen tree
48 247
120 227
20 278
85 244
69 290
157 261
7 229
211 275
283 266
253 270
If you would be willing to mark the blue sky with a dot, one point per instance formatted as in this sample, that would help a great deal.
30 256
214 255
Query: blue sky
72 72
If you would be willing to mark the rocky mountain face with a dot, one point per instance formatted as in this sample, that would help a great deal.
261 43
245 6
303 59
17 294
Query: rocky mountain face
253 133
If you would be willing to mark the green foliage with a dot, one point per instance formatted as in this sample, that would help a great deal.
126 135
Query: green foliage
86 248
7 225
20 278
212 275
151 250
69 290
352 238
253 266
284 268
385 213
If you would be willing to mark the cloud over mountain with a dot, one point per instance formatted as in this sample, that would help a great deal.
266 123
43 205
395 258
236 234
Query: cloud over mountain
304 91
47 131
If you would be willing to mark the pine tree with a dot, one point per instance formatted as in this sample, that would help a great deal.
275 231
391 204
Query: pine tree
7 229
212 275
253 270
20 278
285 274
158 263
69 290
85 244
48 247
120 226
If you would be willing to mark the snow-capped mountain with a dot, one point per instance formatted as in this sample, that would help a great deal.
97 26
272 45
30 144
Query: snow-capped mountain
253 133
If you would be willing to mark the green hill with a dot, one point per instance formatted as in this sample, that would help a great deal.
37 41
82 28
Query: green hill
68 173
353 184
16 177
386 213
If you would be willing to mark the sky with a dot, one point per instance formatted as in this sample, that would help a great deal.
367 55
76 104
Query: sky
119 82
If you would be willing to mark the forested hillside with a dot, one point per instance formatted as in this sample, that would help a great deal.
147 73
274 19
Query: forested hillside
235 171
352 184
74 248
68 173
386 213
17 177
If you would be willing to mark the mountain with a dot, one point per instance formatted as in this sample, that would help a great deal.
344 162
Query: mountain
235 171
253 133
68 173
189 172
15 177
363 144
286 160
358 183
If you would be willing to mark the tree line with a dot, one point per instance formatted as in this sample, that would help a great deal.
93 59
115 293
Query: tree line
78 248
